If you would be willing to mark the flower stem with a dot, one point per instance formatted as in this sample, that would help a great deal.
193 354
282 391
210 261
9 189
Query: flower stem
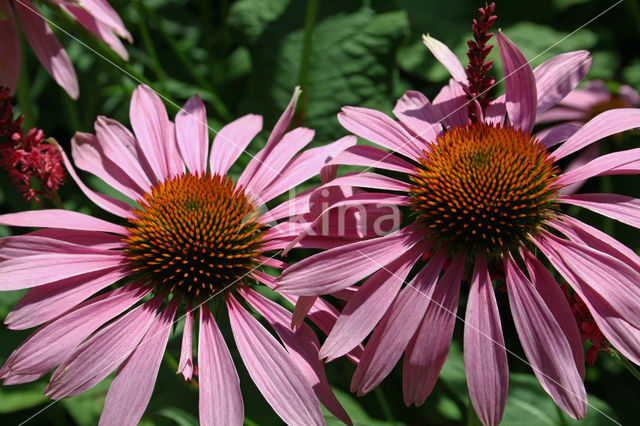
148 44
384 404
625 363
303 74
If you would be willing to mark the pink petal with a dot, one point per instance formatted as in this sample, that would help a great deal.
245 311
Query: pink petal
100 354
186 354
10 55
605 124
44 303
452 103
520 85
62 219
545 343
446 58
415 110
370 180
133 385
193 134
27 245
485 356
302 345
496 111
292 207
616 206
151 124
46 47
338 268
51 344
368 305
272 370
379 128
629 94
93 239
562 113
558 76
555 300
370 156
602 165
105 13
552 136
391 337
429 346
231 141
220 396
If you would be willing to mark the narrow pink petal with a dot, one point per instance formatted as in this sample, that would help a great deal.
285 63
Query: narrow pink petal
452 103
591 93
10 55
44 303
93 239
62 219
110 204
40 269
220 396
605 124
185 365
414 110
27 245
614 280
47 47
370 156
368 305
604 164
88 155
292 207
272 370
391 337
496 111
150 124
302 345
100 354
555 300
446 58
301 309
558 76
304 166
620 207
338 268
552 136
193 134
105 13
545 343
629 94
429 346
485 356
379 128
133 385
51 344
520 85
562 113
370 180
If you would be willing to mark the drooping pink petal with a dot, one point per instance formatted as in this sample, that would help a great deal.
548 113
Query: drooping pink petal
150 124
369 180
557 134
485 356
379 128
193 134
47 47
105 13
605 124
629 94
62 219
220 397
368 305
10 55
185 366
44 303
338 268
51 344
391 337
452 103
602 165
446 58
370 156
99 355
429 346
496 111
545 343
558 76
555 300
302 345
416 112
520 85
133 385
272 370
231 141
620 207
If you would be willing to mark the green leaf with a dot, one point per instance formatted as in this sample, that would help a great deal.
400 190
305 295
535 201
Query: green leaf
181 417
357 413
19 398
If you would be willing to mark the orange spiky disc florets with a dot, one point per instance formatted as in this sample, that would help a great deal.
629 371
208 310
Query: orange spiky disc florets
482 188
194 234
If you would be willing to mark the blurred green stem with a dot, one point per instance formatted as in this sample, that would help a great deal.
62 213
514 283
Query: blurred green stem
303 75
148 44
626 363
384 404
472 416
23 93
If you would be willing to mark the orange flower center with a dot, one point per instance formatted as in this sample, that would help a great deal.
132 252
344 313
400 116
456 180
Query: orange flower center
482 188
198 235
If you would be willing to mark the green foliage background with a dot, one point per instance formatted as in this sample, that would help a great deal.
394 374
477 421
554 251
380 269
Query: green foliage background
246 56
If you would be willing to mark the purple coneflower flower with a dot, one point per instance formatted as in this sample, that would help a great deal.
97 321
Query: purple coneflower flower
188 239
97 16
485 199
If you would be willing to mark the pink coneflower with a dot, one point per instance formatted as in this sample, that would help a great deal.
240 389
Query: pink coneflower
97 16
485 200
185 241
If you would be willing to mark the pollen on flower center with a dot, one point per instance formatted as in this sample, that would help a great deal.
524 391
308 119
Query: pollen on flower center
194 234
482 188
